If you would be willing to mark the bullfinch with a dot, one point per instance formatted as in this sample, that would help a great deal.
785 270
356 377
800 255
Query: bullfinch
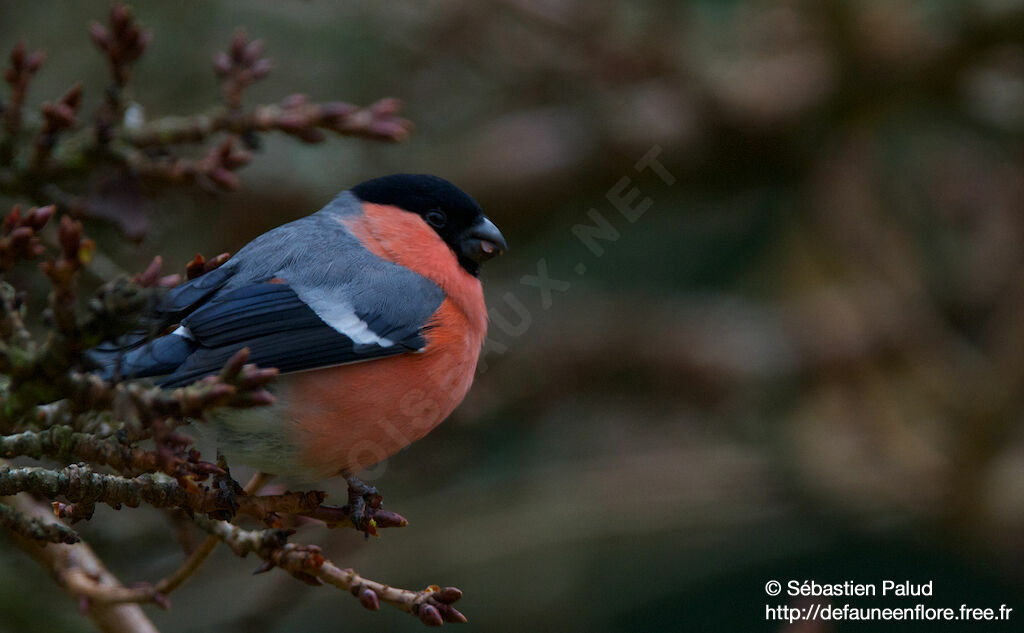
371 308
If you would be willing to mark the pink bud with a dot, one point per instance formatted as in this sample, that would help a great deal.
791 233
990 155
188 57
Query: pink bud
100 36
430 616
368 598
448 594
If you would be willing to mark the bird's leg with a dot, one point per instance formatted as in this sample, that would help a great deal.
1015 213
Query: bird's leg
363 500
227 491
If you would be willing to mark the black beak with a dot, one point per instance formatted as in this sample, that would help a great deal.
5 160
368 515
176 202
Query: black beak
482 241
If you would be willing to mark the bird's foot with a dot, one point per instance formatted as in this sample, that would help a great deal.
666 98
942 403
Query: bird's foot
226 491
364 502
364 510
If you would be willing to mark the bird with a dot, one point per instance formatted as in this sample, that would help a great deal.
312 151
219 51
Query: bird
371 308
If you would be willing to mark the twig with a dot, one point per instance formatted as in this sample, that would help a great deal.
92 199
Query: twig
58 117
191 564
433 606
239 67
216 168
195 560
122 43
294 115
75 252
17 75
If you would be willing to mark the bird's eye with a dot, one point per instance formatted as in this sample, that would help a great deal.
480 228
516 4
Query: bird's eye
436 218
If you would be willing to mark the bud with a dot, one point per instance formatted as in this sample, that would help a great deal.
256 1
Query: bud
429 615
99 35
451 614
448 594
221 64
368 598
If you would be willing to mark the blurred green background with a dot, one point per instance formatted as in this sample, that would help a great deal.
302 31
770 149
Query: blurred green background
804 361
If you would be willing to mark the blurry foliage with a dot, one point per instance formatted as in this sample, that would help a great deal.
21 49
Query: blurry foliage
804 361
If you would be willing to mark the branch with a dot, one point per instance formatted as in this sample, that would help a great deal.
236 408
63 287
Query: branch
34 528
216 168
79 484
120 141
82 573
295 116
433 606
65 444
